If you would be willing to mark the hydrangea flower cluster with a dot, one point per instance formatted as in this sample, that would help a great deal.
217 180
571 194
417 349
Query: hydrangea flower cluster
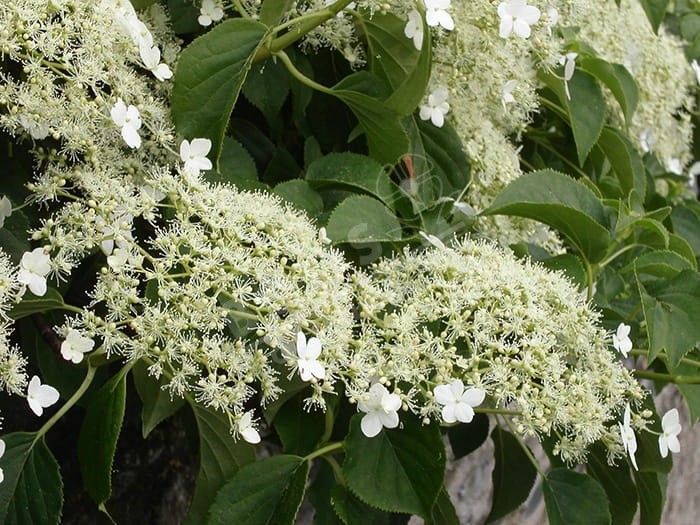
13 377
473 316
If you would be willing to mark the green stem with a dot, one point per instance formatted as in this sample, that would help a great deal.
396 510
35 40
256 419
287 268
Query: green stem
662 355
590 278
526 450
498 411
299 75
331 447
679 380
306 23
89 376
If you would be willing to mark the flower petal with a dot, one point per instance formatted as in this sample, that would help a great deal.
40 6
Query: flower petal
313 348
473 396
463 412
371 425
443 394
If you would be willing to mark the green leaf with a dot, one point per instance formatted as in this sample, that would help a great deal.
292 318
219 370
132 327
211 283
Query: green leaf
570 265
624 159
661 263
183 15
98 437
157 402
655 10
208 79
32 491
301 195
299 430
320 494
352 511
444 512
679 245
561 202
690 392
572 498
617 484
584 111
141 4
690 26
399 470
220 457
362 219
266 492
14 235
362 93
672 315
32 304
272 11
650 491
267 86
354 171
617 79
465 439
513 474
236 166
686 223
394 58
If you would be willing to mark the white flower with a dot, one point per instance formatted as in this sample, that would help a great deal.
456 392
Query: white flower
458 403
40 396
76 346
465 209
129 120
5 210
621 340
323 236
37 130
436 14
150 55
414 29
380 408
647 139
119 231
247 430
436 108
209 12
569 63
194 155
628 438
673 165
517 17
670 428
507 92
34 267
696 69
552 19
432 239
307 362
2 452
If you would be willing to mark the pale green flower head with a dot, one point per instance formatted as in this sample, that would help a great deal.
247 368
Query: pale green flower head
523 334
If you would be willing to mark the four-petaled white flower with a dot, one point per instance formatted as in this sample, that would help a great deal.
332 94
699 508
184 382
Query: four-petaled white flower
414 29
129 120
209 12
516 17
628 438
507 92
247 430
436 108
194 155
696 69
458 402
380 408
76 346
150 55
2 452
37 130
307 358
33 269
5 210
436 14
621 340
670 428
40 396
118 232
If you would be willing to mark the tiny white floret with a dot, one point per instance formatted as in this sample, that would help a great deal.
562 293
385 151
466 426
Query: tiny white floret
381 410
621 340
209 12
436 108
414 29
40 396
33 269
629 440
670 428
307 362
76 346
458 403
516 18
194 155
